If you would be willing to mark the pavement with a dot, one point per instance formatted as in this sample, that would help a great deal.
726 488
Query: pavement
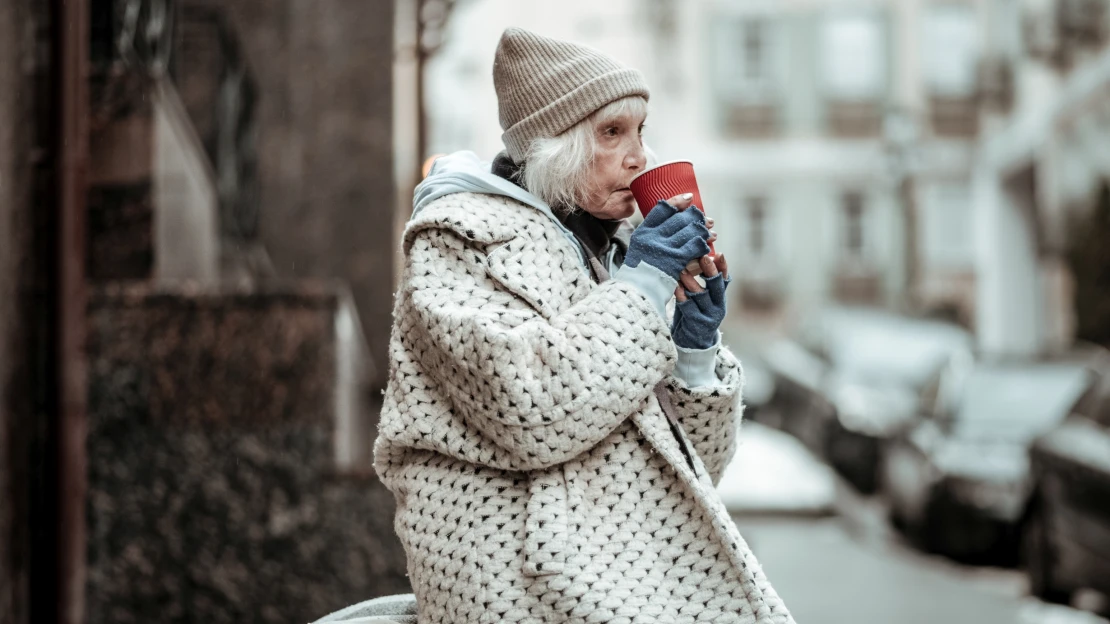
834 559
827 576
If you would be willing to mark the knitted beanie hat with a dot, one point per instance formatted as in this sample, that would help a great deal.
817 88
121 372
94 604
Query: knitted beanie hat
544 86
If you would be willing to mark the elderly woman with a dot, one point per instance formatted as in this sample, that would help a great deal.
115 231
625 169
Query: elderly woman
553 441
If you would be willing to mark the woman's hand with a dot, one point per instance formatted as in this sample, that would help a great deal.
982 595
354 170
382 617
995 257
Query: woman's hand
682 202
698 311
670 237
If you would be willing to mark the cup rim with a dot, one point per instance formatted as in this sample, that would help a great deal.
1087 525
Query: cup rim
662 164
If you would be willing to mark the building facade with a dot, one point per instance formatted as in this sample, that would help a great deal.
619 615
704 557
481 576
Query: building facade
1038 172
833 141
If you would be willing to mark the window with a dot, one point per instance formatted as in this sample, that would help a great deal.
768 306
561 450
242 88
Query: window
856 281
745 58
853 56
756 233
757 226
748 71
852 206
947 226
755 51
853 65
761 285
951 55
951 50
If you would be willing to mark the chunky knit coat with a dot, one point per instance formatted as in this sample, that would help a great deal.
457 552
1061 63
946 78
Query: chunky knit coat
536 476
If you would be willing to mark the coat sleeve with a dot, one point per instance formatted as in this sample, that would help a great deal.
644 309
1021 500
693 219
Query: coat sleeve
711 415
544 389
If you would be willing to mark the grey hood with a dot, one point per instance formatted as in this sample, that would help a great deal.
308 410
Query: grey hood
464 172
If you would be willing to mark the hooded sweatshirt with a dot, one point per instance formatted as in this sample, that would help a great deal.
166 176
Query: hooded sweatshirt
594 234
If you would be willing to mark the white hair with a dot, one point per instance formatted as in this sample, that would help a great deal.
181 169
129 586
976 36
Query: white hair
557 169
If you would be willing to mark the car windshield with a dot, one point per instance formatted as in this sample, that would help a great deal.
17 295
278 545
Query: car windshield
796 363
1017 402
876 348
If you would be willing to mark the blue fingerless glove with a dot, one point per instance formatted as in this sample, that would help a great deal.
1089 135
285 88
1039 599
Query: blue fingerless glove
669 239
697 319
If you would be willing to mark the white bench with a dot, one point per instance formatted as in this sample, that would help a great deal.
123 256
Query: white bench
398 609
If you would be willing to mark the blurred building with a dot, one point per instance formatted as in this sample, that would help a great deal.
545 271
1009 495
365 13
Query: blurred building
1042 161
833 141
921 155
824 134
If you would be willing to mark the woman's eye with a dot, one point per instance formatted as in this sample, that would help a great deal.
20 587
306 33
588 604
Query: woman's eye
642 128
611 131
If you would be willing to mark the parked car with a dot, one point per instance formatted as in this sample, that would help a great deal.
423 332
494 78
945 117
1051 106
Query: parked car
798 405
900 481
1066 543
959 482
879 363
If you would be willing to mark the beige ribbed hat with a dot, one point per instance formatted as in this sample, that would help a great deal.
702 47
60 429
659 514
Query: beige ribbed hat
544 86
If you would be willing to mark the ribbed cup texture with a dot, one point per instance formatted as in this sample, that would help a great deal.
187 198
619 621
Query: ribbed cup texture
664 182
544 86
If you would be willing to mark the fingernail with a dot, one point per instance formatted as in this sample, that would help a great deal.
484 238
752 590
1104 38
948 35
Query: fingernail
687 196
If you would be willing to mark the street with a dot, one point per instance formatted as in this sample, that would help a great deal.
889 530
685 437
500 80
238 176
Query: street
852 568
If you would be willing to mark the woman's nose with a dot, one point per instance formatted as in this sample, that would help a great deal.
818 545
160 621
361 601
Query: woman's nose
636 159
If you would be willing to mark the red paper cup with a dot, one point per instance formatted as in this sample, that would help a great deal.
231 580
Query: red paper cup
663 182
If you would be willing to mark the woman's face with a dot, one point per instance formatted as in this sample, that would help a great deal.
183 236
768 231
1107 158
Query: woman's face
618 158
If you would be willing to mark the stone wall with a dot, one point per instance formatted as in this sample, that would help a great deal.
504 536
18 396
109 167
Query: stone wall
214 490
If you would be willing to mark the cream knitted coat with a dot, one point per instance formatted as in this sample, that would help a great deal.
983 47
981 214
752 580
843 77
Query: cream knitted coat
536 476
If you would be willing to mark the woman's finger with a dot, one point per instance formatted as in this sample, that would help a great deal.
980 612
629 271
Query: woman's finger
721 265
680 293
682 202
709 222
689 282
708 267
712 236
716 288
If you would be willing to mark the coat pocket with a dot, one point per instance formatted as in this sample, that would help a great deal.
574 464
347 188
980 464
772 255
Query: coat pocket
546 530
